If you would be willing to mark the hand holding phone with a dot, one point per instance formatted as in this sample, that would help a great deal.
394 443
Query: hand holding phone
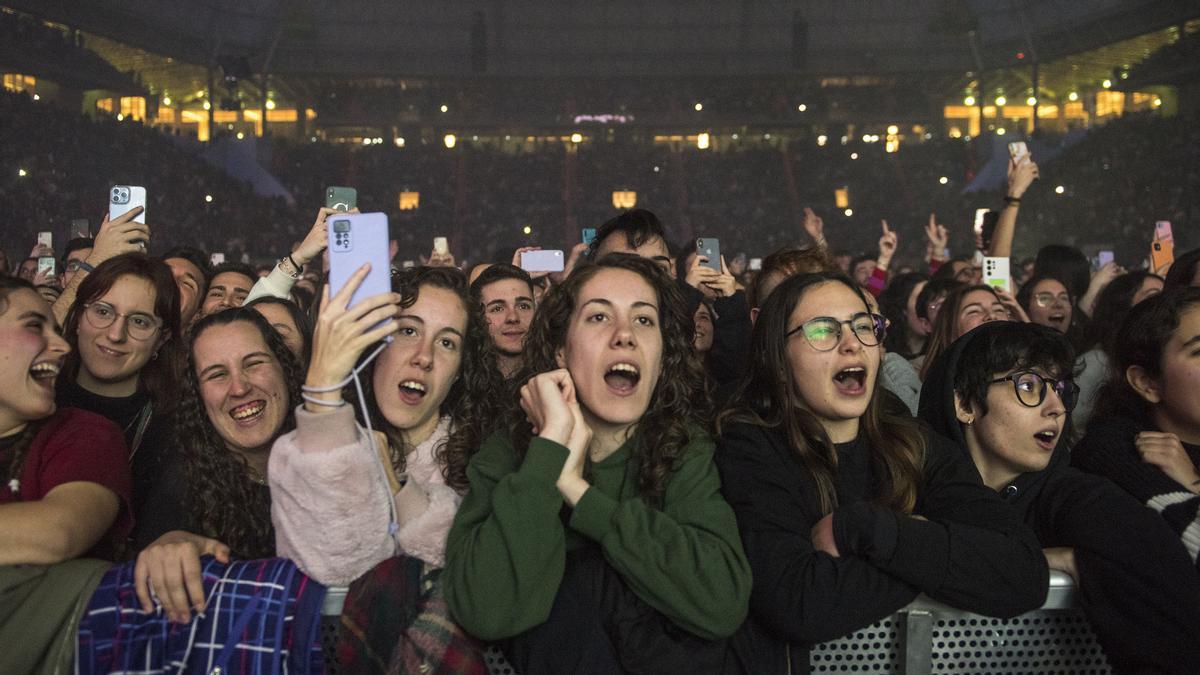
996 273
355 240
543 261
710 248
341 199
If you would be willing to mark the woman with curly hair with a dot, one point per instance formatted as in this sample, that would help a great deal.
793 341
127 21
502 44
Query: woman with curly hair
431 393
238 391
847 509
594 537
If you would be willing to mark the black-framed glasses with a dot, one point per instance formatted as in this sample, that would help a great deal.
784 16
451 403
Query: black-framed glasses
102 315
1031 388
825 332
1046 298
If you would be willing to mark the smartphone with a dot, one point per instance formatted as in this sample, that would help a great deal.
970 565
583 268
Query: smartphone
710 247
46 239
1162 253
996 273
1103 258
542 261
122 198
341 198
46 264
980 216
408 264
589 235
1018 151
355 239
216 258
756 264
1162 231
440 246
81 229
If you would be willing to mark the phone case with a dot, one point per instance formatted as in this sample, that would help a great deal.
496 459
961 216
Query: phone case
542 261
1104 257
356 239
589 235
710 247
46 264
996 273
122 198
1017 150
440 246
1162 231
45 239
1162 253
341 198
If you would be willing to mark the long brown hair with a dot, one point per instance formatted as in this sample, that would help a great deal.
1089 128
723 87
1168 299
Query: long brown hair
679 403
945 326
768 397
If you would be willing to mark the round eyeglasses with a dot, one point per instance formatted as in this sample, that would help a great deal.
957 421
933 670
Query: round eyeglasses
1031 389
825 332
102 315
1046 299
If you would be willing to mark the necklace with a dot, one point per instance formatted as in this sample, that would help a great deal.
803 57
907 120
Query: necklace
256 475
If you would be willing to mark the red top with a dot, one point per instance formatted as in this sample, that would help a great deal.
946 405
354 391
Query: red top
76 445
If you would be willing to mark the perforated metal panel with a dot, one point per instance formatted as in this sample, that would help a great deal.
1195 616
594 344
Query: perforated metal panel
496 663
329 630
1048 642
874 649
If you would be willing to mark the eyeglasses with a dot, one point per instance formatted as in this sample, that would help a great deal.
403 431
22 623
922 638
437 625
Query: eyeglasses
1031 389
825 332
1046 299
102 315
967 273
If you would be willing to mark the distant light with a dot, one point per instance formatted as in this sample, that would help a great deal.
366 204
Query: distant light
703 140
849 212
576 137
378 140
1000 100
1156 102
240 136
22 173
366 141
802 107
445 108
207 105
37 97
969 101
928 135
474 138
1107 84
1073 96
120 117
943 180
1000 131
656 169
766 137
270 104
854 155
893 130
527 230
866 138
507 137
822 140
166 100
699 107
1124 75
845 140
1060 189
208 198
450 140
314 139
735 137
1020 56
1032 100
399 141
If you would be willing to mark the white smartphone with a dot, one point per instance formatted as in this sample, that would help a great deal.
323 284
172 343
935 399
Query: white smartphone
354 239
756 264
440 246
122 198
980 215
542 261
996 273
1018 151
46 239
1103 258
46 264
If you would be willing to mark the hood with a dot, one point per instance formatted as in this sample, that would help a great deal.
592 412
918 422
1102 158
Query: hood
937 409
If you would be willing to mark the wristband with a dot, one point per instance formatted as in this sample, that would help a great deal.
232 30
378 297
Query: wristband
1012 201
286 262
328 404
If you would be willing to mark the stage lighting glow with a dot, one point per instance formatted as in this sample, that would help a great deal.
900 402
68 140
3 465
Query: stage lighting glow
1000 100
849 212
943 180
527 230
822 140
699 107
893 130
854 155
240 136
207 105
166 100
969 101
703 141
802 107
208 198
1059 190
1107 84
270 104
576 137
1032 100
1073 96
450 140
399 141
445 108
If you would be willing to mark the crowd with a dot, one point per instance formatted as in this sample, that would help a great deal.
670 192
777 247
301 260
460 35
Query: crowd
649 461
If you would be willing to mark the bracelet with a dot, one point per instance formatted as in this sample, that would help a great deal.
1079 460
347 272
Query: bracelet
328 404
286 262
1012 201
298 266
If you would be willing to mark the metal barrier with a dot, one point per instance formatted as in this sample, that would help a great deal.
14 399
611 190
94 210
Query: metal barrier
924 638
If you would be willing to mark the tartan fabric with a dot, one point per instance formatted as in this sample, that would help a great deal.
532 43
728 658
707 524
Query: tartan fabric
281 635
395 620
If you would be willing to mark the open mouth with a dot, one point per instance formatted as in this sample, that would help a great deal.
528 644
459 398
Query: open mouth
44 372
1046 439
851 381
622 378
109 352
248 411
1058 318
411 391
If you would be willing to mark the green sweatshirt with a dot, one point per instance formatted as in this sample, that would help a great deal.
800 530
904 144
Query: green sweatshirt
506 552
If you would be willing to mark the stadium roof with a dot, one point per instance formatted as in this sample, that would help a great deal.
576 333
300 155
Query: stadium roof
636 38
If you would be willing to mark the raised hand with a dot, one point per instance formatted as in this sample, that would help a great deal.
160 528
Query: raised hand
1021 175
573 258
122 235
516 260
1015 310
317 238
814 226
545 398
722 285
938 237
887 246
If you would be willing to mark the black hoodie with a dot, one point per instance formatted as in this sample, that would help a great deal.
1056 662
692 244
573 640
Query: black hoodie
1137 584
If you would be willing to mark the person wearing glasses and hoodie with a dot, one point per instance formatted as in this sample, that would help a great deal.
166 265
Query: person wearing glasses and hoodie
1004 392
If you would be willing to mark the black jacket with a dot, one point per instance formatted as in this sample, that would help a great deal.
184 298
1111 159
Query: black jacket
726 361
1137 585
972 552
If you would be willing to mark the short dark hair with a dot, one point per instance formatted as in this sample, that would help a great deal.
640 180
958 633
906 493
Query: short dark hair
237 267
1067 264
860 259
893 303
1112 306
638 226
76 244
199 258
1183 270
936 287
1007 346
1025 295
946 271
499 272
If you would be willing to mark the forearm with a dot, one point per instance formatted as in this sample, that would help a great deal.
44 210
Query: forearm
277 284
1006 227
38 532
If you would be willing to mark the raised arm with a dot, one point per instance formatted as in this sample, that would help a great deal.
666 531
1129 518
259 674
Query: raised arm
1020 176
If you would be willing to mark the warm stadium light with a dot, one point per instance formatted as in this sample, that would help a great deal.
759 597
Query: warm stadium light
445 108
450 140
866 138
1000 100
1000 131
270 104
1032 100
699 107
527 230
166 100
399 141
576 137
969 101
37 97
943 180
892 145
822 140
22 173
208 198
1156 102
1059 190
1073 96
802 107
207 105
849 212
240 136
367 141
409 200
841 198
893 130
1107 84
854 155
120 117
624 199
702 141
